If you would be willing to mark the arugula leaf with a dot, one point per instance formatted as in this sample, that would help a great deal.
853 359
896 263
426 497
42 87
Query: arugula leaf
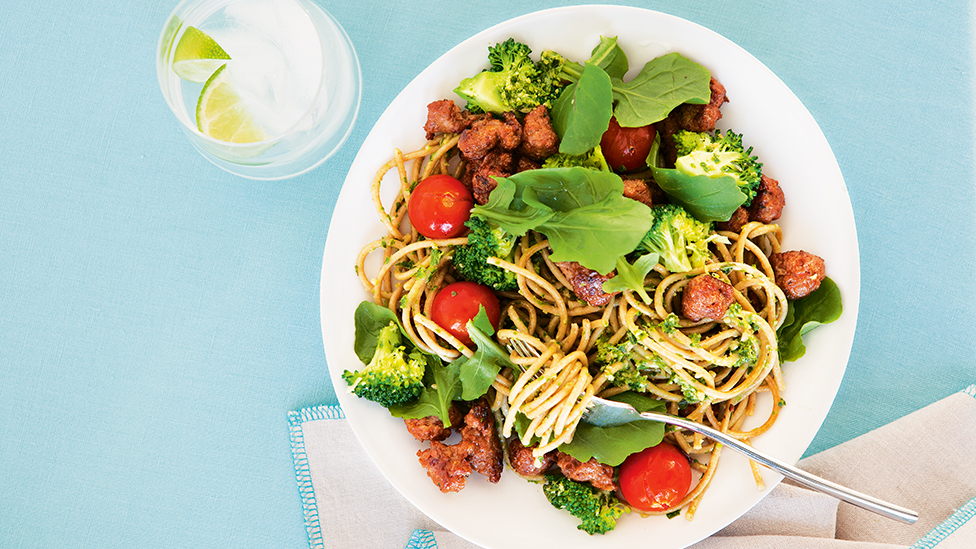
607 55
664 83
370 318
612 445
478 372
442 385
582 111
610 57
522 423
631 277
506 209
821 306
481 322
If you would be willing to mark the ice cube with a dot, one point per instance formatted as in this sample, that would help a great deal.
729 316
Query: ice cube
276 60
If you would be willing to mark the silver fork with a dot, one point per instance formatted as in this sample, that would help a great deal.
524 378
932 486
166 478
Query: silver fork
608 413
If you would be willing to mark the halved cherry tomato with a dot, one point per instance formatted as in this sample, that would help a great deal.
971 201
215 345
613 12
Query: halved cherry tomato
656 478
439 206
456 304
626 149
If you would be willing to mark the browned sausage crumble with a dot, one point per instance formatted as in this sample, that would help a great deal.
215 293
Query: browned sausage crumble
480 449
706 297
798 272
587 283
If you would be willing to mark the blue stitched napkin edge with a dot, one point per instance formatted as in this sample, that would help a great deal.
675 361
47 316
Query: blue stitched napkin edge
313 525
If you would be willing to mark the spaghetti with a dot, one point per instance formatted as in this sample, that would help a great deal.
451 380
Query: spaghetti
709 371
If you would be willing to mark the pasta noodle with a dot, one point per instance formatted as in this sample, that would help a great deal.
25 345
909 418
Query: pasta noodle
708 371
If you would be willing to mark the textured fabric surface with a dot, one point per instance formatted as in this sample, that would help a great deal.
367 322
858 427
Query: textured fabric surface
354 506
159 317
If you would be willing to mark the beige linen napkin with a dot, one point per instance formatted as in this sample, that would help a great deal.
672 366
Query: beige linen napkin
340 488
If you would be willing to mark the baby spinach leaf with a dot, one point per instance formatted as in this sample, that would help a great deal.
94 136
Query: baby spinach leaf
565 189
821 306
442 385
705 198
612 445
631 277
582 112
595 236
664 83
370 318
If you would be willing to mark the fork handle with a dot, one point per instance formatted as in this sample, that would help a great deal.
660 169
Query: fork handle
853 497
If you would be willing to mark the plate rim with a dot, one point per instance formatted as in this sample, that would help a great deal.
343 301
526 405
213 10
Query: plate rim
851 297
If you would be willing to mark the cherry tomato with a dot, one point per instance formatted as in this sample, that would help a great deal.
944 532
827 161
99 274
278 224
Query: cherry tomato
655 479
439 206
626 149
456 304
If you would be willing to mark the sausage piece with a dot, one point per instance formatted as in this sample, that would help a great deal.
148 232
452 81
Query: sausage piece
485 134
480 449
431 427
637 189
598 474
768 203
735 223
702 118
539 140
486 448
798 272
587 283
480 173
524 463
444 116
447 465
706 297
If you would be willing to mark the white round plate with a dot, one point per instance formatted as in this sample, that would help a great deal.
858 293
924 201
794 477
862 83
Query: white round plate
515 513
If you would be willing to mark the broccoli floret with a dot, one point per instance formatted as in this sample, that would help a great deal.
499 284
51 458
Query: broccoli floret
486 240
597 510
513 82
592 159
701 153
392 377
680 240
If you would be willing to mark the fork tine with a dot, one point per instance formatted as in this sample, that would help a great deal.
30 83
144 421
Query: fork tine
522 348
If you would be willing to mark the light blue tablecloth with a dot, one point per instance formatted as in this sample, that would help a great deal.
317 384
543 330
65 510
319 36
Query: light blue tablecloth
159 317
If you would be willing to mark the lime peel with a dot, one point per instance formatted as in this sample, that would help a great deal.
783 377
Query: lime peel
197 56
222 114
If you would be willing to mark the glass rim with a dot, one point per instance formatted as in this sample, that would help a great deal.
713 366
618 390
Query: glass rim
168 41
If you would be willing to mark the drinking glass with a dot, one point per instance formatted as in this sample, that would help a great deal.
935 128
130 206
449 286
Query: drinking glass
292 72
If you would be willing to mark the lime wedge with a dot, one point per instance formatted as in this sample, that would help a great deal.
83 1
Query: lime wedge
222 114
197 56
